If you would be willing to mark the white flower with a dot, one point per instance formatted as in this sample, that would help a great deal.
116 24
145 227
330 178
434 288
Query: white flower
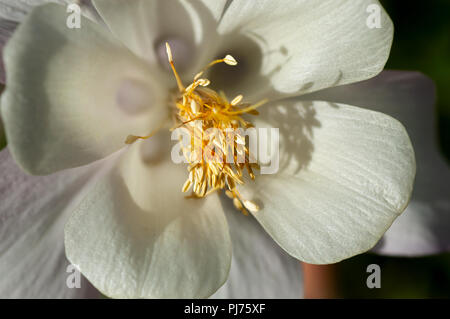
74 95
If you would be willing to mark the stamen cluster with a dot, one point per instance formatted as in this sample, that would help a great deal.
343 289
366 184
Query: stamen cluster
202 110
209 116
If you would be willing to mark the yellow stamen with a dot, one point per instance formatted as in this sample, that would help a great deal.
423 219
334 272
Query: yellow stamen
194 107
230 60
203 82
236 100
172 65
133 138
198 102
251 206
250 108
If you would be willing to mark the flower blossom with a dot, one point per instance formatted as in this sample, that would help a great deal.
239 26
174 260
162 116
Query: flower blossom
75 96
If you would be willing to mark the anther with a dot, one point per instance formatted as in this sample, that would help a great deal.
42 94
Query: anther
230 60
236 100
169 52
177 77
195 108
237 203
251 206
203 82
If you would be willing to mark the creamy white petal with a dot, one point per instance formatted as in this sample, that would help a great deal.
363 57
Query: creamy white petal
423 229
62 107
33 211
145 26
345 174
136 236
410 98
11 13
305 45
7 27
260 269
16 10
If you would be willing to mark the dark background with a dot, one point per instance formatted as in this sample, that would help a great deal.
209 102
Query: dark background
421 43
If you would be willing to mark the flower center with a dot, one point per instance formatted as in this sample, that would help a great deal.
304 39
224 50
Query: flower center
220 156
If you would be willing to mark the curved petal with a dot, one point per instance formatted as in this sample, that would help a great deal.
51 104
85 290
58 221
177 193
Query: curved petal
145 26
14 11
66 102
308 45
32 215
136 236
260 269
409 97
7 27
345 175
421 230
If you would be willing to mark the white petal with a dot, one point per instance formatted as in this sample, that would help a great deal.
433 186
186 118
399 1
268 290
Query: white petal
12 12
346 173
7 27
61 107
260 269
33 211
409 97
16 10
423 229
136 236
188 26
305 45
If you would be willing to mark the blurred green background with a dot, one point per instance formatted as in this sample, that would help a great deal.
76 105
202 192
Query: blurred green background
421 43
